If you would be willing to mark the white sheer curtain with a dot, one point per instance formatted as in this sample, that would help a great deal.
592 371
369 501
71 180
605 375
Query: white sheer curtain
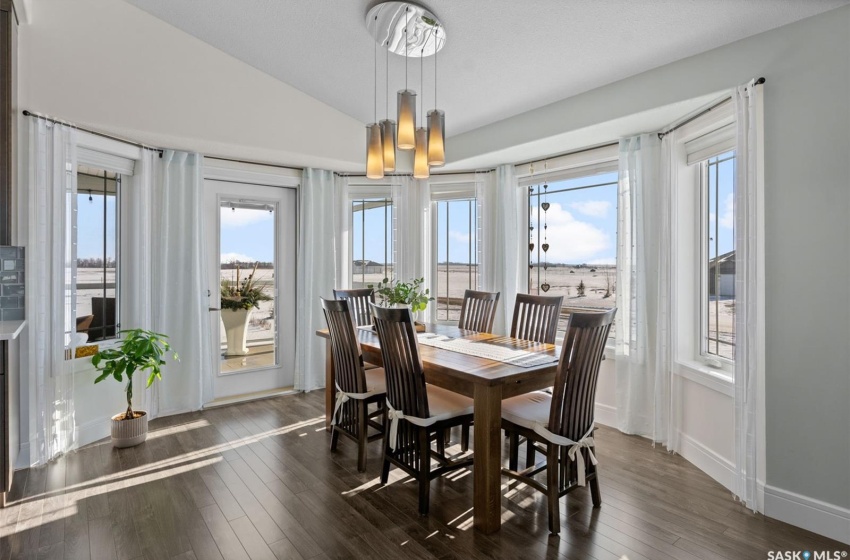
180 290
639 159
748 106
503 250
410 207
50 287
136 247
317 271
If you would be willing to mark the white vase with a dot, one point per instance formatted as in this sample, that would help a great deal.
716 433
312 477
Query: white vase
127 433
235 329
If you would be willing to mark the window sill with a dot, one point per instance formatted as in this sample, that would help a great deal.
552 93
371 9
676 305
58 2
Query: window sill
700 373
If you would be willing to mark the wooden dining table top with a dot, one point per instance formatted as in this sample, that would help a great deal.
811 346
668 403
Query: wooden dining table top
459 372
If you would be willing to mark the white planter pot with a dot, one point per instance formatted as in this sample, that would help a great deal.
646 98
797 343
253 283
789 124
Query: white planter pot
127 433
235 329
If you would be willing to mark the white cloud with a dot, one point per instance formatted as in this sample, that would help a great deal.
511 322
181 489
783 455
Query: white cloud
592 208
727 220
458 236
243 217
236 257
570 240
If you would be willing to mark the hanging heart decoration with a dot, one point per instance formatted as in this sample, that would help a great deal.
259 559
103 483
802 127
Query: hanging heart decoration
530 266
545 286
530 228
545 206
545 266
545 247
531 246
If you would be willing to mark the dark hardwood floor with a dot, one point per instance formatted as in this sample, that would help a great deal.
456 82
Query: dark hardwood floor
257 481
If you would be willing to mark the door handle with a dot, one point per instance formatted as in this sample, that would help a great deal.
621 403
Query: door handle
215 309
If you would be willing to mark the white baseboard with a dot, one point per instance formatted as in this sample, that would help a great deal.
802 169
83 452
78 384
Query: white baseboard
605 414
93 430
711 463
813 515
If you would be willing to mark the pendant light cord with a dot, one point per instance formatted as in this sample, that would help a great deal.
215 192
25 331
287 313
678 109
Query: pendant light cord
436 48
406 43
422 85
376 76
388 80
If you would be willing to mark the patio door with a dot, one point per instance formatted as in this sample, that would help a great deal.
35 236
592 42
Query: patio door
252 252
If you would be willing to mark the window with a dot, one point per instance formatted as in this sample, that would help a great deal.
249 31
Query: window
456 254
718 256
371 241
573 241
98 271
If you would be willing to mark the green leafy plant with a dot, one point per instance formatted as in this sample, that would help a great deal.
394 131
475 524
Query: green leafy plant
390 292
244 293
140 350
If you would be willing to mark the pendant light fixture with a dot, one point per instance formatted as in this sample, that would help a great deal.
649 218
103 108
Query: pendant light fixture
409 30
388 129
436 122
406 99
374 149
420 156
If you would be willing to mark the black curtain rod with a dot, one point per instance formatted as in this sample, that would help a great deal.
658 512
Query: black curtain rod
145 147
758 82
90 131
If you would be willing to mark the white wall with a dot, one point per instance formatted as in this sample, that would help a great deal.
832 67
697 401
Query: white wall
807 203
108 65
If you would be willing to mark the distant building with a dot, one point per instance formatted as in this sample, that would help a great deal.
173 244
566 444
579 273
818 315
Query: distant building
721 275
367 267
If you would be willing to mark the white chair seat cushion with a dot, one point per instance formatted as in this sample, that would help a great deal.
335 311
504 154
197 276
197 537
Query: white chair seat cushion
444 404
528 410
376 381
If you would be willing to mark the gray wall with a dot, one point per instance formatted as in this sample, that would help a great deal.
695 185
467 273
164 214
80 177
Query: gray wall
807 206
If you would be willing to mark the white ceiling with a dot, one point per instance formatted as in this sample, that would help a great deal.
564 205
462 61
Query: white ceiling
502 57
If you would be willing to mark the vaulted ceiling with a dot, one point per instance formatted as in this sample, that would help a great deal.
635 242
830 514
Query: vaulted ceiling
502 57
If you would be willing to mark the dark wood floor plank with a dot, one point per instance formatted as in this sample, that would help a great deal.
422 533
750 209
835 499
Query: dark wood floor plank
257 481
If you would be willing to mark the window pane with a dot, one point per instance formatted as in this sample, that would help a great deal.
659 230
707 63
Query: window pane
719 266
573 241
97 256
371 241
457 255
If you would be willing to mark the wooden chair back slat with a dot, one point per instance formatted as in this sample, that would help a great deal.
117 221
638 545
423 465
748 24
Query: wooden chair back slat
478 311
574 392
345 347
358 304
536 317
402 362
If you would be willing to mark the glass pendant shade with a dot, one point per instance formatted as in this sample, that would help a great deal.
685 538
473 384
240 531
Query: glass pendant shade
374 152
436 138
406 119
420 157
388 138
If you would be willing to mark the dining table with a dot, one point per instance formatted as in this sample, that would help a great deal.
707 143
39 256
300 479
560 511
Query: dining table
487 381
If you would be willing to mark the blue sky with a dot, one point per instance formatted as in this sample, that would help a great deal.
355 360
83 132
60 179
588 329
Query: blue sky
582 224
721 205
247 235
90 226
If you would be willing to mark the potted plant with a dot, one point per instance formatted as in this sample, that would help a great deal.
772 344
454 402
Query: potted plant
238 299
140 350
392 293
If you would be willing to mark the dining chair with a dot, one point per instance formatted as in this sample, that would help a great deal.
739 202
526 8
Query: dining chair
417 413
356 387
358 304
561 425
478 311
536 317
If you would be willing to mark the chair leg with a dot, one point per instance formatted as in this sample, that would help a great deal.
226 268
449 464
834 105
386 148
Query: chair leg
425 470
362 435
447 437
464 437
552 487
529 453
334 438
594 484
513 450
385 444
441 442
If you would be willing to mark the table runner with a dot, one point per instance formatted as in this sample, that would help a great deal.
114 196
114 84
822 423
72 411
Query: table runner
485 349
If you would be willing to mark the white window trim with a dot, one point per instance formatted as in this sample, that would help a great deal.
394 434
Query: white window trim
454 187
708 134
359 192
581 163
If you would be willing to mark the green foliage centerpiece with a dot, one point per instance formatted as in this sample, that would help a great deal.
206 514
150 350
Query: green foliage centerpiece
392 292
139 350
